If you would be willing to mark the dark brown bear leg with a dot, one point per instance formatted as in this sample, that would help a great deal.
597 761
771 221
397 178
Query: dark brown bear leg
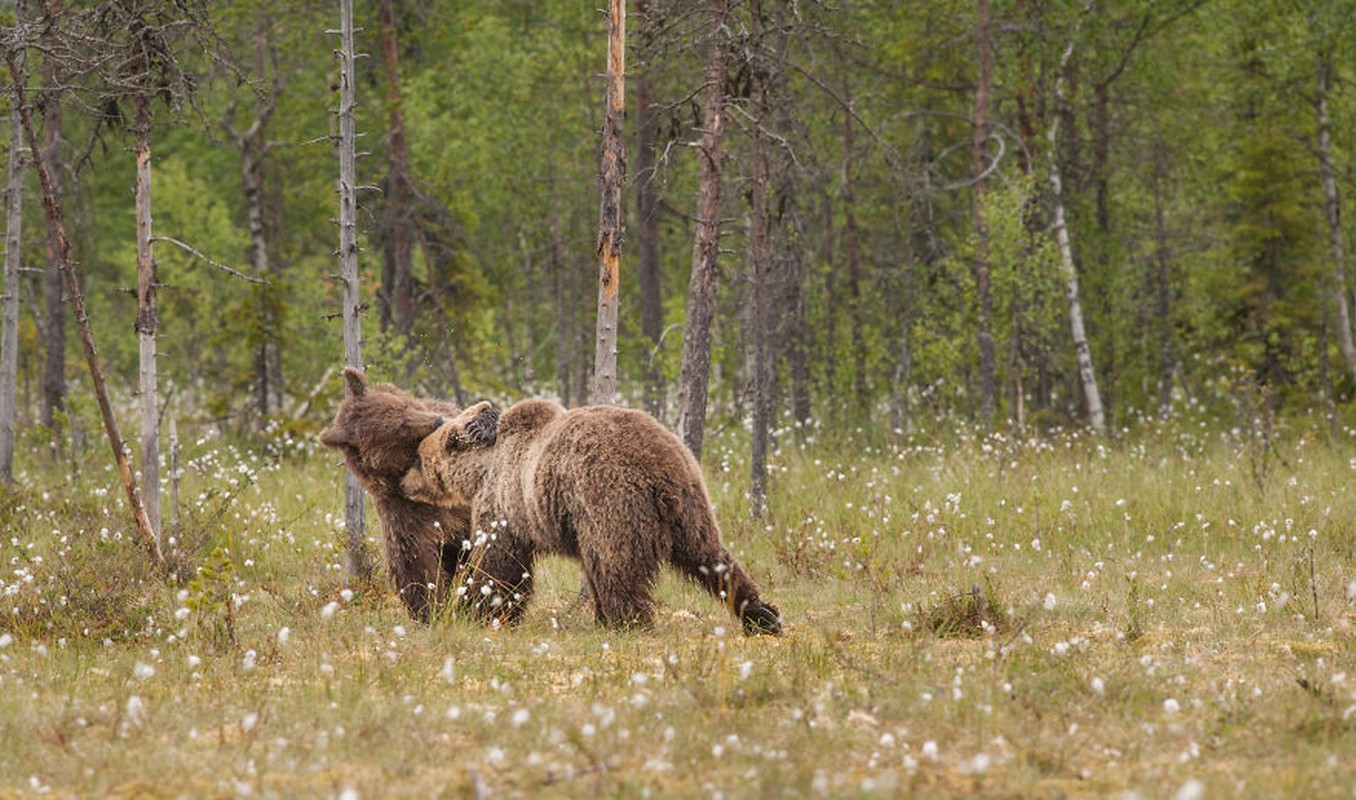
716 571
622 586
496 580
415 570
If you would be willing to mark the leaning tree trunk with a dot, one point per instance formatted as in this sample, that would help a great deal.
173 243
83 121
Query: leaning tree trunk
54 310
357 565
762 270
647 222
147 316
613 171
1333 207
695 366
56 224
400 289
9 316
988 380
1087 375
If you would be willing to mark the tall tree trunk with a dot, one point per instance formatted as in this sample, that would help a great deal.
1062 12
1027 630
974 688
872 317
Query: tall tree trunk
9 315
988 381
1167 360
1333 207
761 312
1026 88
357 564
147 316
564 322
56 224
647 218
253 146
400 290
695 368
851 253
54 311
613 172
1087 375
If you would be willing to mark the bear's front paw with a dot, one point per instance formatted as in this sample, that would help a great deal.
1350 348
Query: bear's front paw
760 618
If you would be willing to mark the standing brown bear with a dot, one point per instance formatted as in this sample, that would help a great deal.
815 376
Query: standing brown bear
610 487
378 428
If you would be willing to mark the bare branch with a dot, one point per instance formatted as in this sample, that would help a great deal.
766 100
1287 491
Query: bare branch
217 264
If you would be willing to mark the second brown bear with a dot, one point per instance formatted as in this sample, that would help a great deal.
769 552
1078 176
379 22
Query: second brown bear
608 486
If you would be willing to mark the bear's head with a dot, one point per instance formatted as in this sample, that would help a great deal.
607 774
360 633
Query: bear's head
378 428
453 459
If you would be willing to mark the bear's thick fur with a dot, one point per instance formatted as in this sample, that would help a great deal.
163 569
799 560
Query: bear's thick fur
378 428
608 486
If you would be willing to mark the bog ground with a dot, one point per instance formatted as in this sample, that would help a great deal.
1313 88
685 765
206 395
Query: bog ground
1169 614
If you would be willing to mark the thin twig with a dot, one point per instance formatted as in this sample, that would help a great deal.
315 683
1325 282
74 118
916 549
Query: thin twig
217 264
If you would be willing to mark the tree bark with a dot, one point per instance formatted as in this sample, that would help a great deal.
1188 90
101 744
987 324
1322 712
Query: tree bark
988 381
647 218
852 255
613 172
762 269
51 203
1087 374
1167 360
695 366
357 564
400 289
9 312
54 310
1333 208
147 315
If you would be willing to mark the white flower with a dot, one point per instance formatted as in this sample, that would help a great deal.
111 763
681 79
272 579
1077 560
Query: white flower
6 639
1049 601
248 662
329 609
1191 790
136 710
1098 686
143 671
930 750
519 718
449 671
284 633
1171 706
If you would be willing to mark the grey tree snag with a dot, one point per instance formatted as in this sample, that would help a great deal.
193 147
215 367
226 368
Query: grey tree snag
988 381
147 315
1087 375
762 269
1333 209
613 172
357 565
694 371
54 309
56 224
9 294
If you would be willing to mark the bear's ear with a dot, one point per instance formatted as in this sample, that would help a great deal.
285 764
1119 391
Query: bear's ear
483 429
356 380
334 437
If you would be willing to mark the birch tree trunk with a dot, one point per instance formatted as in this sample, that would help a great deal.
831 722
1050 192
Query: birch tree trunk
357 565
762 269
988 381
694 372
147 316
1333 208
613 172
56 224
9 295
1087 375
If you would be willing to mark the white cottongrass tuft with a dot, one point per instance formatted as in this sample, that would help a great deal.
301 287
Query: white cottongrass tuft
6 640
143 671
249 721
930 751
519 718
1049 602
249 660
136 711
1098 686
1191 790
329 609
1171 706
449 671
284 633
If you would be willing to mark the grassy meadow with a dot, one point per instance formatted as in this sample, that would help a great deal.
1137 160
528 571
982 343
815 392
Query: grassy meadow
1170 614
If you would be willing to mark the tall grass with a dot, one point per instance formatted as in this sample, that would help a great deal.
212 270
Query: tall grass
1166 614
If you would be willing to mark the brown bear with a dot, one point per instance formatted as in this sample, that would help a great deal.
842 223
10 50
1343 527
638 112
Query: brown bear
608 486
378 429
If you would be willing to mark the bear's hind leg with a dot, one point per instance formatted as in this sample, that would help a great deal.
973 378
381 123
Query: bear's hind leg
622 590
717 572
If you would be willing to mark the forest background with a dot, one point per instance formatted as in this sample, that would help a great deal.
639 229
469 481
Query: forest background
915 269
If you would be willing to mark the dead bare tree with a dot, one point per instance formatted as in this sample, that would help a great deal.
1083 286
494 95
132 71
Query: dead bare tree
357 564
613 172
9 296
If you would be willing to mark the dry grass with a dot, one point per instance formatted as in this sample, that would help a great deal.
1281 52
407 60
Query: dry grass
994 617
